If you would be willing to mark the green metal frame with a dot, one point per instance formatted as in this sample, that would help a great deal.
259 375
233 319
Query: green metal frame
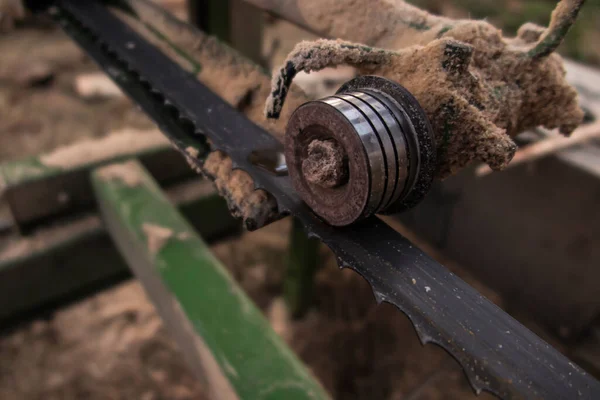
76 257
226 339
36 192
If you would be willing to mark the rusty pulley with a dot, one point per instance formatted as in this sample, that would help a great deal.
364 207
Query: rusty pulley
369 149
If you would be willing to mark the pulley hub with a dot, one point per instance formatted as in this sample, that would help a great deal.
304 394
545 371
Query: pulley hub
368 149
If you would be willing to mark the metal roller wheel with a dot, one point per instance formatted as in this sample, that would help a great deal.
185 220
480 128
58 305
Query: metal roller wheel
369 149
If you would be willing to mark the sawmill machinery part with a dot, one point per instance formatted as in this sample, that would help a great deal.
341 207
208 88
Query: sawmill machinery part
497 353
367 150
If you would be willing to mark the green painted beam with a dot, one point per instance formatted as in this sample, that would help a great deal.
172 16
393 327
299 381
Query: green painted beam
37 190
70 259
225 338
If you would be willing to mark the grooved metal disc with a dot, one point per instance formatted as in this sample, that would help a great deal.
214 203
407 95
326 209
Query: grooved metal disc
321 120
374 124
418 134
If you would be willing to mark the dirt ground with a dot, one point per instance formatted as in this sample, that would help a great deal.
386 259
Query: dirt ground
39 107
113 345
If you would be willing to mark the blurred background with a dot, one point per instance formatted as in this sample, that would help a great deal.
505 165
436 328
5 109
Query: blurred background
528 238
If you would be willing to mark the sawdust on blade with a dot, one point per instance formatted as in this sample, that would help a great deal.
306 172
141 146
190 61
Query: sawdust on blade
245 86
191 156
257 207
90 151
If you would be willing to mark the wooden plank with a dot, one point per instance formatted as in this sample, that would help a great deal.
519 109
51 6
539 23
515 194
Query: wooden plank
225 338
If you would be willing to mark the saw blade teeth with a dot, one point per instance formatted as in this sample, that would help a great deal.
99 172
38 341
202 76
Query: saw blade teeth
476 374
172 110
188 125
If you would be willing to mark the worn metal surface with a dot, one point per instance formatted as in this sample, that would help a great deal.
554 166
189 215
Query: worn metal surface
69 259
385 134
35 191
497 353
224 337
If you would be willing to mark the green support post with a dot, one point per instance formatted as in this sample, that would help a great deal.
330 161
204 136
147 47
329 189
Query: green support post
302 262
225 338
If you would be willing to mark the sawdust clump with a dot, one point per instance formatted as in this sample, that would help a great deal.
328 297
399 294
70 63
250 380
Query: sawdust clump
478 88
324 164
475 111
256 207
